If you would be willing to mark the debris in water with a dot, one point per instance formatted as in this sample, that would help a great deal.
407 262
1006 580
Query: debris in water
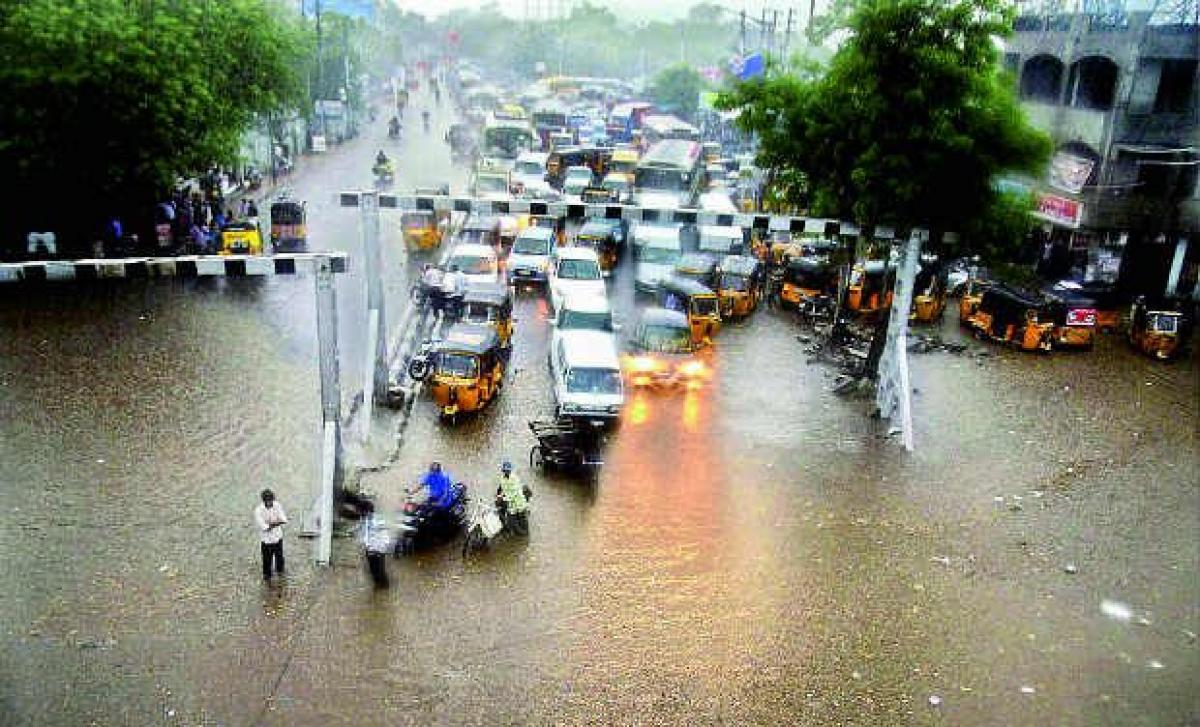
998 498
855 675
944 560
1191 636
100 460
1155 664
163 568
934 700
1116 609
1070 568
1027 690
1143 621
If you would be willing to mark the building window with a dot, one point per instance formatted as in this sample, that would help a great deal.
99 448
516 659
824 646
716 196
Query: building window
1041 79
1175 86
1093 83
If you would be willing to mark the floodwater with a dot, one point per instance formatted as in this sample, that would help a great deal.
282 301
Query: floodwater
759 552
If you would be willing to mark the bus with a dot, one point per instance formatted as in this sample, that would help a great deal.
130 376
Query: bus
669 175
625 118
505 139
656 128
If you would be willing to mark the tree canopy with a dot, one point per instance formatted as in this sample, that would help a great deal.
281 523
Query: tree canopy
677 89
909 125
107 101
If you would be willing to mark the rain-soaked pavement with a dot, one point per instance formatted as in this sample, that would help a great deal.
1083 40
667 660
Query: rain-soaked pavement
759 552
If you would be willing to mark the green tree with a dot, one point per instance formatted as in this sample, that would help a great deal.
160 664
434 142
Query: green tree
909 125
677 89
108 102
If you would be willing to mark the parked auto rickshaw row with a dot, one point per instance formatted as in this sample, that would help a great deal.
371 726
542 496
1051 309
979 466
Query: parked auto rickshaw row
1063 316
289 231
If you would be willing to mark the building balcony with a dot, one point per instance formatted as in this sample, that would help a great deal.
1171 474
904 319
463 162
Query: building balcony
1066 124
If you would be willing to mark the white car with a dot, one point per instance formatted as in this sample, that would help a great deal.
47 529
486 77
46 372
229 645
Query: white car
576 180
529 171
574 271
529 259
586 372
582 313
478 263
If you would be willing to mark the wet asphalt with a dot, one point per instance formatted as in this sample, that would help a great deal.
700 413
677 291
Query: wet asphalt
758 552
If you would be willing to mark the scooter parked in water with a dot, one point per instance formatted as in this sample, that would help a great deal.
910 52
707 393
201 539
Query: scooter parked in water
486 522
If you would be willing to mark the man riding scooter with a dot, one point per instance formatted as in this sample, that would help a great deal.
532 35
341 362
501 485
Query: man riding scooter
394 128
512 500
434 518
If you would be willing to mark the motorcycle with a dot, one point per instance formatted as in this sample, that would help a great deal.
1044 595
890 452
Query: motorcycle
394 129
385 173
422 525
450 305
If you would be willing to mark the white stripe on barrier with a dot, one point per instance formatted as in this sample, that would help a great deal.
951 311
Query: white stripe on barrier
210 266
183 266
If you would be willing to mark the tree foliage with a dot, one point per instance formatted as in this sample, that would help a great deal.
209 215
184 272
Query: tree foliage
107 101
909 125
677 89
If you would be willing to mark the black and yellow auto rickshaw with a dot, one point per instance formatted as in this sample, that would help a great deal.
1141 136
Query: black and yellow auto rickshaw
739 285
602 238
872 284
1074 316
289 229
807 277
1156 329
490 305
1012 316
240 238
421 229
466 370
929 295
698 266
698 302
968 300
1104 297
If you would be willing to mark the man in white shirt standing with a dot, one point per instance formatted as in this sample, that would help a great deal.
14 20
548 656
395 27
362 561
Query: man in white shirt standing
270 518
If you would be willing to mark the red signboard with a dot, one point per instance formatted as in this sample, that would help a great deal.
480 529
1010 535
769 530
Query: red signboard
1059 210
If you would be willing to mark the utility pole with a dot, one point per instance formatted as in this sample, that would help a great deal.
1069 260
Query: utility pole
762 30
742 37
787 36
774 25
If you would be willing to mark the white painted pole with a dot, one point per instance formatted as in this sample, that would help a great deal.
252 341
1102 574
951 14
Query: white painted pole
1176 267
373 268
331 403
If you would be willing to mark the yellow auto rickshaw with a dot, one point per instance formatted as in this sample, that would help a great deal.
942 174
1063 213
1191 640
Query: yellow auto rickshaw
929 296
739 285
490 305
1156 329
968 301
241 238
421 229
807 277
466 370
872 284
698 302
289 231
1012 316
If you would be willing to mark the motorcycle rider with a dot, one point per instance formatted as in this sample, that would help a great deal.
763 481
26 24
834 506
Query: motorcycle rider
425 119
439 487
381 159
394 127
512 496
453 286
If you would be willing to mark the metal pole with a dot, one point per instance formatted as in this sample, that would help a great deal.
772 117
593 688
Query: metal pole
894 391
373 267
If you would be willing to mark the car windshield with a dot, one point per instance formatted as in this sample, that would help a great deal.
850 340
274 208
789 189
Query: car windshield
1164 324
704 305
574 187
618 185
657 255
580 175
474 312
528 245
461 365
573 320
734 282
474 265
491 184
594 381
531 168
665 339
578 270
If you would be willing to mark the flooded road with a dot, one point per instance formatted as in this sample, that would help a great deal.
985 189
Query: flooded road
759 552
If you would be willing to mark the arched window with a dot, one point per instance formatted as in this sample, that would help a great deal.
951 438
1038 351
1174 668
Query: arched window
1093 83
1041 79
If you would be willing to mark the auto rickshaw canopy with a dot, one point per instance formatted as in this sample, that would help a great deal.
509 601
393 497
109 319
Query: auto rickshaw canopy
288 212
469 338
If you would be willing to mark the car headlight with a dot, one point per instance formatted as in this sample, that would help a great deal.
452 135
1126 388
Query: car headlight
692 368
644 364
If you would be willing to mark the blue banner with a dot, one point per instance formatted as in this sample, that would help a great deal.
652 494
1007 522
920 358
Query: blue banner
747 67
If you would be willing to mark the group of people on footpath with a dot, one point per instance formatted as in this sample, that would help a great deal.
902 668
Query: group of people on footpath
512 497
192 222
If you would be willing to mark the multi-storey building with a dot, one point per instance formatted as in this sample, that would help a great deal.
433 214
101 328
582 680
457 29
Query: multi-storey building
1114 83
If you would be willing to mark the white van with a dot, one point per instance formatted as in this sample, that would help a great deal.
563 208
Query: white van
656 249
587 377
574 271
529 171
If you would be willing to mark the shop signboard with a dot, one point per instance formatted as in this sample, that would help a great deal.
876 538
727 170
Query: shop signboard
1059 210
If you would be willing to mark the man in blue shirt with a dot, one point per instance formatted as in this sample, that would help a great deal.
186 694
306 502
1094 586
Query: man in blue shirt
439 486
